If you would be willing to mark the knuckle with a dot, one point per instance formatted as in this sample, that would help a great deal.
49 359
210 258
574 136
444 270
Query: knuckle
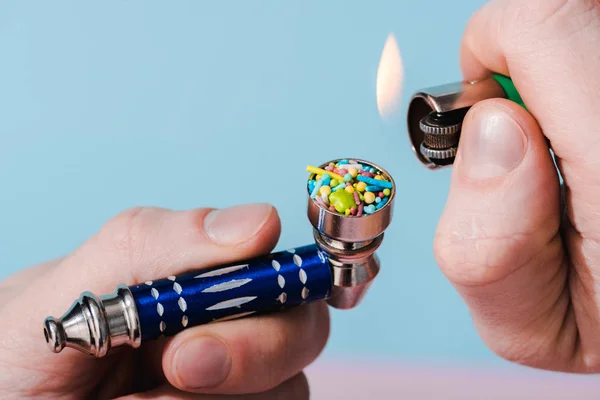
528 348
515 350
481 260
544 21
126 232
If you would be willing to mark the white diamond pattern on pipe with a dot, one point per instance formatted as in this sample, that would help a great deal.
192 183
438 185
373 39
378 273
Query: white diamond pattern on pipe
177 287
282 298
182 304
275 264
302 275
305 293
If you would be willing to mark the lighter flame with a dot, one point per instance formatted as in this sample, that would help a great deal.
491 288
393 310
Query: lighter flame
389 78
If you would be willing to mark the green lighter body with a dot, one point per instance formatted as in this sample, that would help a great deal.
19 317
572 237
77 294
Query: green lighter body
509 89
448 104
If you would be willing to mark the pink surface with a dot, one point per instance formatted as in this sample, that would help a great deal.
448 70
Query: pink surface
382 381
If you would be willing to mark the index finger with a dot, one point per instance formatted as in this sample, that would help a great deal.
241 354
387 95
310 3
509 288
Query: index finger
551 50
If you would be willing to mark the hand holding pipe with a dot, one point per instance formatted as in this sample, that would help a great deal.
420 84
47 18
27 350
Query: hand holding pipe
339 268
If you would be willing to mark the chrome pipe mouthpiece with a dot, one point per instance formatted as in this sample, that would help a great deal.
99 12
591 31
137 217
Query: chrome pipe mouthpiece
95 324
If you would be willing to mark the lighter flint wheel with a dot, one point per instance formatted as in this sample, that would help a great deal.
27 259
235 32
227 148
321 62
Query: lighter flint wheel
431 129
438 154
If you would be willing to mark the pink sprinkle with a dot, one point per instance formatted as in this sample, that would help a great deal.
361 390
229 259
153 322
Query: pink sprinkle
337 171
320 201
356 198
370 175
381 195
360 210
353 211
329 168
348 184
342 172
332 208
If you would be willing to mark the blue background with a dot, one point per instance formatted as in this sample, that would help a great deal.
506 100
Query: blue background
104 107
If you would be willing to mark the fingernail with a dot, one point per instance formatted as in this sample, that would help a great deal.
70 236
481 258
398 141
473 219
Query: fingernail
202 363
492 143
236 224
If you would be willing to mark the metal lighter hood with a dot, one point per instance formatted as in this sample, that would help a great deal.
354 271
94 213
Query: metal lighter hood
435 116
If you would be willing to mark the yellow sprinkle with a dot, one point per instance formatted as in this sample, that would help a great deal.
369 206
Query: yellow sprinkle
379 177
349 189
347 212
320 171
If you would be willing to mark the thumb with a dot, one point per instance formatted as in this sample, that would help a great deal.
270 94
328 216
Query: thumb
498 241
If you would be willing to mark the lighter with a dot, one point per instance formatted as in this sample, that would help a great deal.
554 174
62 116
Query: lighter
435 116
350 205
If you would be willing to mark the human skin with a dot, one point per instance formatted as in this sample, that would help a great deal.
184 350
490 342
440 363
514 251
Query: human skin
263 356
527 267
530 278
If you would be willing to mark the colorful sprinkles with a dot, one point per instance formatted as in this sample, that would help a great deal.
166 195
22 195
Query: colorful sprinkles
349 188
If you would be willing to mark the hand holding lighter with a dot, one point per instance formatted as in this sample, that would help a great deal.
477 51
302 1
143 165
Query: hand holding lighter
339 268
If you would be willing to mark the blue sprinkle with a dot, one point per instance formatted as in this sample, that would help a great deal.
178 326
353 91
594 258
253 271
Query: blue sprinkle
338 187
342 162
374 182
315 190
325 179
382 202
373 188
347 177
370 209
377 199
